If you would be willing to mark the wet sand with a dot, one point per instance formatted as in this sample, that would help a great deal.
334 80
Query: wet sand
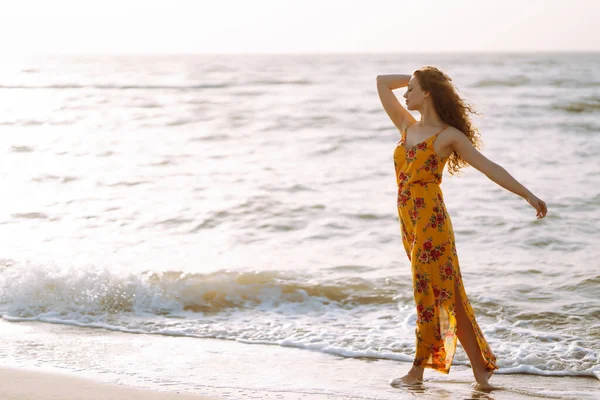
20 384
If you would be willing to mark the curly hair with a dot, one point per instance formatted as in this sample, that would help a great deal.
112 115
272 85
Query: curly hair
451 108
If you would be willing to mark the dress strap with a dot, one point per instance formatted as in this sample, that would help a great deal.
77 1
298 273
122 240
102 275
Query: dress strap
443 129
403 137
440 131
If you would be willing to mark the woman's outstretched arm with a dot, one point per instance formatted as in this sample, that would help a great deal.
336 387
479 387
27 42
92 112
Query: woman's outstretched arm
463 147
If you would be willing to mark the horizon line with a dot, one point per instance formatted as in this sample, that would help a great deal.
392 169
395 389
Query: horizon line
303 53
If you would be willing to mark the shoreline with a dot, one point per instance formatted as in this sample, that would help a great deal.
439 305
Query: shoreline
27 384
46 363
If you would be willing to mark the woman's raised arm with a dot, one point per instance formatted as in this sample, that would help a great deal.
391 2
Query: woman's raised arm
399 115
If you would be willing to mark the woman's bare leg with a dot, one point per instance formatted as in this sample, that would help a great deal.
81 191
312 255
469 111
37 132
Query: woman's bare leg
467 338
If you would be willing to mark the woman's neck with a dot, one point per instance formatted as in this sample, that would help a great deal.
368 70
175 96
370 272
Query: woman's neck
429 117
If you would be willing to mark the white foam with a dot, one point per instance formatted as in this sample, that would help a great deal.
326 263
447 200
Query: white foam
267 314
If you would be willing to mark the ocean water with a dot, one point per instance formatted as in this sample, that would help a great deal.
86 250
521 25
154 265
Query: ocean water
253 199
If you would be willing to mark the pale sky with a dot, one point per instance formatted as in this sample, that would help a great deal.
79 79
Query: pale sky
297 26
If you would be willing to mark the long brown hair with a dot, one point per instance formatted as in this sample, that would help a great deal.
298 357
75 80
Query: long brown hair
451 108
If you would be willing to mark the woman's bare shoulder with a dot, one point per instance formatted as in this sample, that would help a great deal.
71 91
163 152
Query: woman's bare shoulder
453 134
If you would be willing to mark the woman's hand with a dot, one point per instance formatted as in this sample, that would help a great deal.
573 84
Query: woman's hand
538 204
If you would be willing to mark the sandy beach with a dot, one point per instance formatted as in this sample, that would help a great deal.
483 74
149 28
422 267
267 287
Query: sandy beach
19 384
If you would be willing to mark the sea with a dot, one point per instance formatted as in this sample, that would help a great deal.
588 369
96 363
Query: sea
159 208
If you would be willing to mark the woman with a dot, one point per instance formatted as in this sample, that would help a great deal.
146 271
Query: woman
443 135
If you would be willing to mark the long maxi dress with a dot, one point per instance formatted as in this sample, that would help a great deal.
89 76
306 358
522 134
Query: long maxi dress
428 239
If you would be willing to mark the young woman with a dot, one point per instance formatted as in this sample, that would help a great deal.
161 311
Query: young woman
443 135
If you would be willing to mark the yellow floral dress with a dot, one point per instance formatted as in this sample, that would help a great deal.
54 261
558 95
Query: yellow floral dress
428 240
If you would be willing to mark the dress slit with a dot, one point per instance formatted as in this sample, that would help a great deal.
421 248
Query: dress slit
474 326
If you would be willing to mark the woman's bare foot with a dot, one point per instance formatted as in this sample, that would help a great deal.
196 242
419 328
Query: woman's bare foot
413 377
482 377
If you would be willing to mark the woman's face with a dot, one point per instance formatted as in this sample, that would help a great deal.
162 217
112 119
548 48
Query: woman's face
414 96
